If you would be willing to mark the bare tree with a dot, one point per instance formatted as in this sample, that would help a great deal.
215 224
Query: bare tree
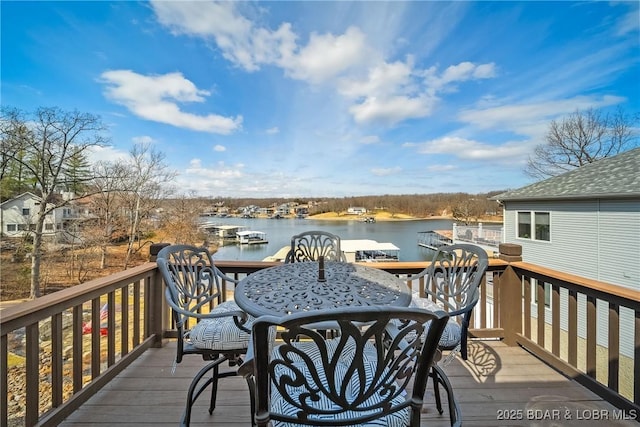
50 139
582 137
180 219
145 179
468 210
108 222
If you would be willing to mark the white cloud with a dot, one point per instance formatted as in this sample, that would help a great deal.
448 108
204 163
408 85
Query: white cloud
219 148
394 92
470 149
386 171
441 168
522 116
327 56
380 91
240 41
383 79
248 45
272 131
106 154
461 72
221 179
530 121
630 22
145 139
220 171
202 18
156 98
369 139
391 110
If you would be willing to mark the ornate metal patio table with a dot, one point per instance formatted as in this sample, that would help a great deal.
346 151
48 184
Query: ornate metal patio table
295 287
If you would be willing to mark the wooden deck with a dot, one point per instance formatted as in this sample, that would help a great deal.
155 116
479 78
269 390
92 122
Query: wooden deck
496 380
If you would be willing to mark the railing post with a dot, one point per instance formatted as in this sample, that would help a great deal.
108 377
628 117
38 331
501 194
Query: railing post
510 294
154 249
156 312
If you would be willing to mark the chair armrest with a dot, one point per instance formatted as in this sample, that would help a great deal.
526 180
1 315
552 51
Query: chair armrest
211 315
241 323
246 369
419 275
226 278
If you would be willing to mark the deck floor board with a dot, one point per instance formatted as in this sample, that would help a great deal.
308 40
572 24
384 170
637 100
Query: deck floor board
494 379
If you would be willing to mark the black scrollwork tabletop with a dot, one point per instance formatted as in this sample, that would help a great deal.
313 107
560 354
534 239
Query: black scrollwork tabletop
294 287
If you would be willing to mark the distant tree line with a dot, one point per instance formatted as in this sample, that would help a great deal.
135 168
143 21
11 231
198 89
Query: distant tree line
462 206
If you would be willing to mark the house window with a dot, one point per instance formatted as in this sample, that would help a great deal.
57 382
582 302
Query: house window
48 227
524 225
534 225
22 227
542 226
25 211
12 227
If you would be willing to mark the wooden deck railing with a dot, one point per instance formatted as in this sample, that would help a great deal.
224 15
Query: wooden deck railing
52 354
56 357
548 326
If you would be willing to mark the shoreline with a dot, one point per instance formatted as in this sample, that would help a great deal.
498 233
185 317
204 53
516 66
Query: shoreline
332 216
378 219
378 216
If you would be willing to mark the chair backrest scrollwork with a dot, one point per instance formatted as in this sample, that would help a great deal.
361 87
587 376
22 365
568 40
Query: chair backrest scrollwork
311 245
360 375
192 285
455 275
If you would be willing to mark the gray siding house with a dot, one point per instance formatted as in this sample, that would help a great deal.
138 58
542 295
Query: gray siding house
584 222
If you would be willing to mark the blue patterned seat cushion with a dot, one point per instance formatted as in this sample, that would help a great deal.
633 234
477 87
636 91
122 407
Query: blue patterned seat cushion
221 333
452 333
281 405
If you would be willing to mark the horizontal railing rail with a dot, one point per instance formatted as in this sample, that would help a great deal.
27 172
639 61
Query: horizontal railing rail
78 359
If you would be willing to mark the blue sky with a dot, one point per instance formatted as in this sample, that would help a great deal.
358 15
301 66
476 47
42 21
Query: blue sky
303 99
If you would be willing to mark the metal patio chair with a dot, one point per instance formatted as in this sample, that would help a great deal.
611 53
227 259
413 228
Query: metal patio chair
360 377
311 245
217 331
451 283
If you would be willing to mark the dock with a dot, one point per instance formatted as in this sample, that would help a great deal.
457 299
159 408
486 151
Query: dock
435 239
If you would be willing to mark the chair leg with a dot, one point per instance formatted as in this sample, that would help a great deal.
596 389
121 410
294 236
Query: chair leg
454 411
436 389
252 399
195 390
214 389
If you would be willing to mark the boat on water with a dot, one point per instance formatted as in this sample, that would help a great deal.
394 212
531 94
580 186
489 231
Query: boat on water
251 237
368 219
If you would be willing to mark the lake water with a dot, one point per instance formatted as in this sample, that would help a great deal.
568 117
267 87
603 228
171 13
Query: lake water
403 234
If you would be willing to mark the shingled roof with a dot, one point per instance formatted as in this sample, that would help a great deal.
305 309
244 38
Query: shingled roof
611 177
